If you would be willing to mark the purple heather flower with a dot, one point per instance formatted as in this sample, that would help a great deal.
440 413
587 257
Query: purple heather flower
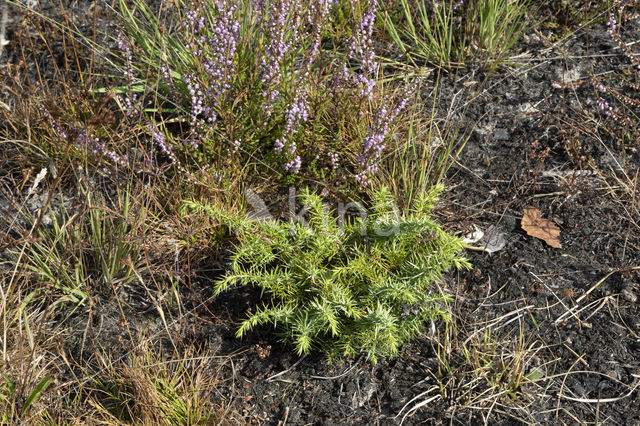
84 140
216 46
295 115
318 12
131 103
604 106
166 74
294 165
194 23
197 97
125 49
54 123
374 141
364 177
221 48
93 145
283 17
194 20
292 148
192 140
319 9
160 140
335 160
361 46
612 23
280 142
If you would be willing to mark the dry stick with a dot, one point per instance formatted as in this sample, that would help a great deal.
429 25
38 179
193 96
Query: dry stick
286 416
602 304
601 400
335 377
551 291
596 285
492 406
566 375
598 400
287 370
579 357
574 313
478 399
415 407
498 320
626 326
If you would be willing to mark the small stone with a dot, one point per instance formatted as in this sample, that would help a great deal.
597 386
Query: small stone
629 295
501 135
526 108
570 76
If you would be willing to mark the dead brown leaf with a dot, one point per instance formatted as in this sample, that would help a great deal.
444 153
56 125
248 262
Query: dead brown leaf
536 226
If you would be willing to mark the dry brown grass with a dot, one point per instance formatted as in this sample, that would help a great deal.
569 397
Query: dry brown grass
43 380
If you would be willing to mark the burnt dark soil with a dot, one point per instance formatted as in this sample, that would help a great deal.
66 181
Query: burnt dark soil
569 318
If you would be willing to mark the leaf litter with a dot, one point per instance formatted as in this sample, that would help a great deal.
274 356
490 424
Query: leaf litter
538 227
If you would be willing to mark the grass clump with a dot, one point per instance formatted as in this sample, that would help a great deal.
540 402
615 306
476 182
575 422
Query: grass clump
344 287
157 388
12 409
421 150
453 34
92 247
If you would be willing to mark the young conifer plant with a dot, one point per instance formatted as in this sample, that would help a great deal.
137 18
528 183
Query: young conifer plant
365 286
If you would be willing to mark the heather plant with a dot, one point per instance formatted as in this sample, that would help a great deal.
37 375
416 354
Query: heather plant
344 17
253 82
344 287
627 114
568 15
456 33
617 94
75 136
